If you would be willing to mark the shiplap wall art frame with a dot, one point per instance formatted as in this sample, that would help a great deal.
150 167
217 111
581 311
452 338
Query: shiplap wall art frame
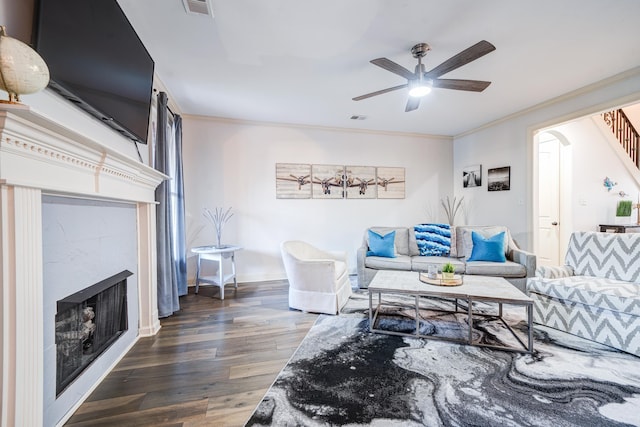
293 181
360 182
390 182
326 181
305 181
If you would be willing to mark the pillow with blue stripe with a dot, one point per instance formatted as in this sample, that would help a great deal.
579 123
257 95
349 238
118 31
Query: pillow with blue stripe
383 246
433 239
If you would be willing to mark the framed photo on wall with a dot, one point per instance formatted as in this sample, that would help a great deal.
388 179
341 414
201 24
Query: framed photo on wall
499 179
472 176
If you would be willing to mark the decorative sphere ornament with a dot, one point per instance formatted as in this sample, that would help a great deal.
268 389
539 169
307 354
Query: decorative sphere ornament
22 70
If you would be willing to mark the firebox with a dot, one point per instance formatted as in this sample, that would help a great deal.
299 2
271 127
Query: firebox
87 323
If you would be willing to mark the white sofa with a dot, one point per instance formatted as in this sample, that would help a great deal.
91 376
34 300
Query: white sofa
318 280
596 294
518 266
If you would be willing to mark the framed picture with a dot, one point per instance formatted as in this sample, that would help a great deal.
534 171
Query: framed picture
360 182
293 181
499 179
472 176
327 181
390 183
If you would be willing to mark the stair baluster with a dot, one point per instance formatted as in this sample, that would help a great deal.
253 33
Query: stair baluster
625 133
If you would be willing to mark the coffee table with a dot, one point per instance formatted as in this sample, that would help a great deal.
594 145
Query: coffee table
474 289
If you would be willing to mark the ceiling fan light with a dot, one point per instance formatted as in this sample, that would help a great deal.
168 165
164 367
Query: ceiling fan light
419 91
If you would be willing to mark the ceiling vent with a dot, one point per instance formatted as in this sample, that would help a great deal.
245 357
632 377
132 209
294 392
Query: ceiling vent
198 7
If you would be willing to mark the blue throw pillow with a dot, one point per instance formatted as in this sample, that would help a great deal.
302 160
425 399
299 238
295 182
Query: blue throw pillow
489 249
382 245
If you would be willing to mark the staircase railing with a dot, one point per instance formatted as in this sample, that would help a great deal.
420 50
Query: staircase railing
625 133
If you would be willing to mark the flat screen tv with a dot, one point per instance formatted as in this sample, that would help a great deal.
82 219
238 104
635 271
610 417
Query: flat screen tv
97 61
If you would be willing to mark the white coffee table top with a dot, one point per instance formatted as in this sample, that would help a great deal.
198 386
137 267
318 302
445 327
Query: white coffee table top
475 287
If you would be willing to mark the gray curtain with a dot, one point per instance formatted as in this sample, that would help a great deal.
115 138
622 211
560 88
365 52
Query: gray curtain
170 229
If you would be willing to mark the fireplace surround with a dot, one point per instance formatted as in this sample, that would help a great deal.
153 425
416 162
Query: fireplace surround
38 156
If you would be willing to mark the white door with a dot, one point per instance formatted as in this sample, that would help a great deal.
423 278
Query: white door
548 251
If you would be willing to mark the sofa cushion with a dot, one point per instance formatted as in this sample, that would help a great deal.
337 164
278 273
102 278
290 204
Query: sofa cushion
400 262
401 240
453 252
599 292
382 246
487 249
610 255
421 263
413 244
503 269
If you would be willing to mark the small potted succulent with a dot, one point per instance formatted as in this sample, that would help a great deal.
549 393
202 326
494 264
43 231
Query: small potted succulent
447 271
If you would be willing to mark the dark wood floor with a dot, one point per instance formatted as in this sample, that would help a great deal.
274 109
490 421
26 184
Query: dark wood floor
209 365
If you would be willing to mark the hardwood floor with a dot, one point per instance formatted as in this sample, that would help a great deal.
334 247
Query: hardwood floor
209 365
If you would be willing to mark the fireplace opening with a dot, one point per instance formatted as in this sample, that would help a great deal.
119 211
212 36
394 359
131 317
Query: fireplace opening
87 323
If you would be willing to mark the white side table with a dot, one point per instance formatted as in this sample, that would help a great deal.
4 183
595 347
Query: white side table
211 253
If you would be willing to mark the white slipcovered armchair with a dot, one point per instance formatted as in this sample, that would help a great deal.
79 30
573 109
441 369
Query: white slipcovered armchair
318 280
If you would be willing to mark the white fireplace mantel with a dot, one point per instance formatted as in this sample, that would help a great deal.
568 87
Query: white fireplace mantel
39 156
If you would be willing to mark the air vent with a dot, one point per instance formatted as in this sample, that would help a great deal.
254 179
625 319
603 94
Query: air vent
357 117
198 7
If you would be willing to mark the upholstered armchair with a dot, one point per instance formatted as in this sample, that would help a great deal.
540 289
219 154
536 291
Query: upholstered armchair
318 280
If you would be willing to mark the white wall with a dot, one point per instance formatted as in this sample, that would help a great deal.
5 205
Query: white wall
492 148
593 160
233 164
509 142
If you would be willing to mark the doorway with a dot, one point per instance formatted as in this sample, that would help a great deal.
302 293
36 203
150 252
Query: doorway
553 210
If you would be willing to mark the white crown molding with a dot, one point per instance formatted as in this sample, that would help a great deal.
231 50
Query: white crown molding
314 127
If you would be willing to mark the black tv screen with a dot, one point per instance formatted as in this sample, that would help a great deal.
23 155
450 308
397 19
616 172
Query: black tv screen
97 61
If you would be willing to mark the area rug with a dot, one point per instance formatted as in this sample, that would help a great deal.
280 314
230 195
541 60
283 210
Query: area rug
344 375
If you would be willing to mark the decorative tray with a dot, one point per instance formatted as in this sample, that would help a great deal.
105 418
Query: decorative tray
439 281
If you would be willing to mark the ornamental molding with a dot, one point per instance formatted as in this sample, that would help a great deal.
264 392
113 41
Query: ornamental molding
37 152
32 148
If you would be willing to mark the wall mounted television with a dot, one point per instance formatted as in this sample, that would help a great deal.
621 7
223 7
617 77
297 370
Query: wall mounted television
97 61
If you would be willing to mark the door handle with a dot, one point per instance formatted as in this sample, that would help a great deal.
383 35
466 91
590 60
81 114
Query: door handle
554 223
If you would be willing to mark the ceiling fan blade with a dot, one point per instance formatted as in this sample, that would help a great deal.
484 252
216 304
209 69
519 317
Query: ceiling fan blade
469 85
472 53
412 103
379 92
398 69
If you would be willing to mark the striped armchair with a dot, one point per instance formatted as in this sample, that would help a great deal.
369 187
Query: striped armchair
596 294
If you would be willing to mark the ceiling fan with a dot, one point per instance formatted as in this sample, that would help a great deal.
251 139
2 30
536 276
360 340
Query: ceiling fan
420 81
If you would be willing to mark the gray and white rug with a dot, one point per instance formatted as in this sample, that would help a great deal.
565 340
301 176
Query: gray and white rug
343 375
